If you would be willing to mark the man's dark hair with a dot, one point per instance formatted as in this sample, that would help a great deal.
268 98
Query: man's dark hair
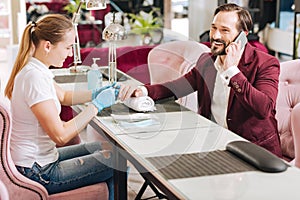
244 22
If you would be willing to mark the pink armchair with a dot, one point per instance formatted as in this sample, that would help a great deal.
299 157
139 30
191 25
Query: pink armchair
170 60
288 98
3 192
20 187
295 118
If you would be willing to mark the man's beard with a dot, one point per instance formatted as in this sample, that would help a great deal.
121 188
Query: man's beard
218 52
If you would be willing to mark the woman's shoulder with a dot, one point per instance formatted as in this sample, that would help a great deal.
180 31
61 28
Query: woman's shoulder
30 71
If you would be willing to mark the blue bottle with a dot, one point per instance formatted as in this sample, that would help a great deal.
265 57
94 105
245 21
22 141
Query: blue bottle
94 76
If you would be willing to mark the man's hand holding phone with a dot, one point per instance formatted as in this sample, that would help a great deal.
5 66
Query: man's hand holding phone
235 50
243 38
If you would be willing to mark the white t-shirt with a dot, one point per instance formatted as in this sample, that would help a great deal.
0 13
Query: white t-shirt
29 142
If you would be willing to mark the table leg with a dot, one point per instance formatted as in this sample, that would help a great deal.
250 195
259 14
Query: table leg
120 175
147 183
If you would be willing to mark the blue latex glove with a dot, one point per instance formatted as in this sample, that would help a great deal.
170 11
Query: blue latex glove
97 91
105 98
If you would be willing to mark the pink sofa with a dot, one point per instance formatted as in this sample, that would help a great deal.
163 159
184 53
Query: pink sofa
171 60
130 59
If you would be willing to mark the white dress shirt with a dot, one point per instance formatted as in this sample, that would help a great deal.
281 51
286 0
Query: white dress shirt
220 99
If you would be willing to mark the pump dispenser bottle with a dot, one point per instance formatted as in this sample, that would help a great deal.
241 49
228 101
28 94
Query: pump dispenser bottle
94 76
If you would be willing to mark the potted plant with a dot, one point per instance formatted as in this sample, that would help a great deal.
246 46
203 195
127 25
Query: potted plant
71 8
147 25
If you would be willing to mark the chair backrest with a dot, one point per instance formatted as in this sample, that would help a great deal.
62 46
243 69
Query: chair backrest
273 37
3 191
17 185
288 97
171 60
295 118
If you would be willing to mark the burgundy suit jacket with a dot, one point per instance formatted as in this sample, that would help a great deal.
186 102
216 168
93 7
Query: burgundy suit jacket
252 99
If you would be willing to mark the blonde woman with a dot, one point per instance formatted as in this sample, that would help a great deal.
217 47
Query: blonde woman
35 104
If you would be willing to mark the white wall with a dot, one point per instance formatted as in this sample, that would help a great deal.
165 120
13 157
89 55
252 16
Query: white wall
200 16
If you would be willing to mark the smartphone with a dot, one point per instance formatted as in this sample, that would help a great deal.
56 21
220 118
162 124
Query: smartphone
243 38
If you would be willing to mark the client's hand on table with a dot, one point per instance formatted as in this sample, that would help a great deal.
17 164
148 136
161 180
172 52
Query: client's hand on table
105 98
127 91
135 97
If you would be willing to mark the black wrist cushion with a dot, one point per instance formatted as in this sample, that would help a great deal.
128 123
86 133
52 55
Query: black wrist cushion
257 156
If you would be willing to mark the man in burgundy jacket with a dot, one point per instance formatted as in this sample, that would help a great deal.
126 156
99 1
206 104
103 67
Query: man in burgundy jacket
237 84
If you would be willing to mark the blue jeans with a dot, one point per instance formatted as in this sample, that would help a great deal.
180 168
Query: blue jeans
77 166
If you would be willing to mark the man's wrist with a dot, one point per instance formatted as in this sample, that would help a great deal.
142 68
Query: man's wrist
229 73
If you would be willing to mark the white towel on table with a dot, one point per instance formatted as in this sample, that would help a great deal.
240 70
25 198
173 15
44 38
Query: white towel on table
140 104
